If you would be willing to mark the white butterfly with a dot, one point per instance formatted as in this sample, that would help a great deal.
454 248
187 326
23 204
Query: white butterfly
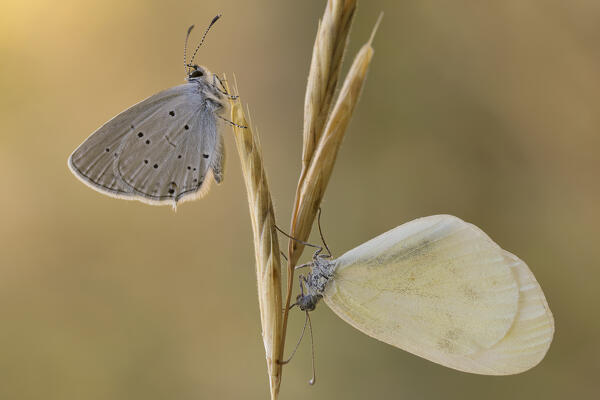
439 288
164 150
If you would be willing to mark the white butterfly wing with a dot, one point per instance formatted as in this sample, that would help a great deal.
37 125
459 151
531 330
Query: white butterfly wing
440 288
529 338
119 158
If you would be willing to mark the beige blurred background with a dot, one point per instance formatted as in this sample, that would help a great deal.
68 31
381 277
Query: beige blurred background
485 110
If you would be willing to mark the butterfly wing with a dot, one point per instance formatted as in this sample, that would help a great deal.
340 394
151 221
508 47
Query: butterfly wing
92 162
440 288
530 335
164 150
175 152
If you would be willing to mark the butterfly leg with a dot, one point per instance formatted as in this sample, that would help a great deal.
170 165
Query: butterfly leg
301 279
309 264
223 91
297 240
231 122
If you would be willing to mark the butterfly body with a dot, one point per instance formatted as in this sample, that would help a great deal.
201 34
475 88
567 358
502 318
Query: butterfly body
164 150
439 288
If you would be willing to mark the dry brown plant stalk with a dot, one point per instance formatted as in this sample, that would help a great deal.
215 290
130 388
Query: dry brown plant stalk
311 189
313 181
328 52
323 136
266 245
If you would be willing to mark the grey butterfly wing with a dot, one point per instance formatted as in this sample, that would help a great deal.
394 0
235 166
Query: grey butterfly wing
175 153
144 153
92 161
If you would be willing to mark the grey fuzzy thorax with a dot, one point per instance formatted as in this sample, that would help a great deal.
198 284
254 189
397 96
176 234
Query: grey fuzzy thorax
322 271
206 88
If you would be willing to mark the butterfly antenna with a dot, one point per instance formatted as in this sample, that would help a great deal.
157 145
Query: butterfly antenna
312 347
321 233
187 36
215 19
297 240
299 340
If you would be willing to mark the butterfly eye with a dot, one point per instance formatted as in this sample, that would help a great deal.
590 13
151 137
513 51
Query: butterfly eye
196 73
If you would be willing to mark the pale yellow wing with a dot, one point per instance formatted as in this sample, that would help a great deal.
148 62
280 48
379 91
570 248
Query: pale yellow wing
529 338
440 288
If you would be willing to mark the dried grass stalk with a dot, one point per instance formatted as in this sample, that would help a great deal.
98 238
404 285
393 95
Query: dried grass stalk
321 144
311 189
266 246
328 52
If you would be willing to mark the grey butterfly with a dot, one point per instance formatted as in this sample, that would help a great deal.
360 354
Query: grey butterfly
164 150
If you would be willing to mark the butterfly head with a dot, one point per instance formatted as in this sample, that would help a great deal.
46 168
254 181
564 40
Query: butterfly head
308 302
197 73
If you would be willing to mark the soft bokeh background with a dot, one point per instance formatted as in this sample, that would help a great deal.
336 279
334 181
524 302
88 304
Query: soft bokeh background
485 110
